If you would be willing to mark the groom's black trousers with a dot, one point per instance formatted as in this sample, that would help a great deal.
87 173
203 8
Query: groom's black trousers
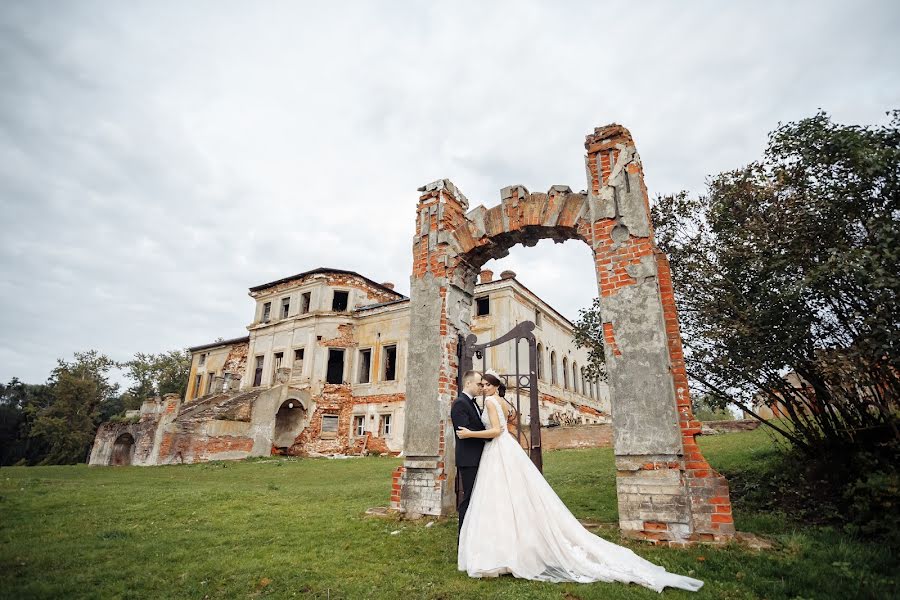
466 478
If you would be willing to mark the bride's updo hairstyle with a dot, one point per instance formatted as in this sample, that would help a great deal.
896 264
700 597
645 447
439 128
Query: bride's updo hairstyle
494 380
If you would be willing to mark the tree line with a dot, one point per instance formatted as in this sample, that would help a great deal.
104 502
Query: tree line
54 423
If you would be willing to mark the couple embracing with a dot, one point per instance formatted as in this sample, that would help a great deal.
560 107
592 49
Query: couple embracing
510 519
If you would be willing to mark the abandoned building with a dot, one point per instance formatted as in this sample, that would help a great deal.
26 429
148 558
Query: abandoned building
323 371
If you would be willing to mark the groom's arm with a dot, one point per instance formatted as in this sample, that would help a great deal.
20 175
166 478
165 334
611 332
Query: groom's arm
487 434
463 415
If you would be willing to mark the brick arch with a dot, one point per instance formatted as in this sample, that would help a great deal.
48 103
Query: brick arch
667 491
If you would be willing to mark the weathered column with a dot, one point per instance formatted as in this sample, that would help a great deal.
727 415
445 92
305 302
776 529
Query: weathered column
440 309
666 490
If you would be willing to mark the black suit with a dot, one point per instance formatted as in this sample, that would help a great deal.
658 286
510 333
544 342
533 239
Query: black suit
464 413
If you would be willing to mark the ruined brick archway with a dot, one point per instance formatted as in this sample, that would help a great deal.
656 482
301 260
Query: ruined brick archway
666 489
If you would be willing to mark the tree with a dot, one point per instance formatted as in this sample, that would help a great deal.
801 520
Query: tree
156 375
589 334
792 265
68 423
19 403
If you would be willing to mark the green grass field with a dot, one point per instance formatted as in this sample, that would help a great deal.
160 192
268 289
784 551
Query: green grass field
295 528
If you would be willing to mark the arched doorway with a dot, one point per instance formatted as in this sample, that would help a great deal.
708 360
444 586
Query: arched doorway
289 422
667 491
123 450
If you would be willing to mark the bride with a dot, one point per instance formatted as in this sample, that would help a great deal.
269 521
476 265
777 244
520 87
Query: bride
517 524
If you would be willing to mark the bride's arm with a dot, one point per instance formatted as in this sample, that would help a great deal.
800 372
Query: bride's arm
488 434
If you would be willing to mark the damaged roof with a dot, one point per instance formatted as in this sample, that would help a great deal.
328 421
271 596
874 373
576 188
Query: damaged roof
239 340
323 270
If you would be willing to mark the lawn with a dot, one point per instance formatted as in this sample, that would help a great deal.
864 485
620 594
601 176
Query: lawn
296 528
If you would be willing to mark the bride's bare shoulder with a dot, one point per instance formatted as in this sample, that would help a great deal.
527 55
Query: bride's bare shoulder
500 406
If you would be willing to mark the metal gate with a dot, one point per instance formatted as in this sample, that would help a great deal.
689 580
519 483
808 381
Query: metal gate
518 381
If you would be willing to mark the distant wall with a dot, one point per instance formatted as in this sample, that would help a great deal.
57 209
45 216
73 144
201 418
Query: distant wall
577 436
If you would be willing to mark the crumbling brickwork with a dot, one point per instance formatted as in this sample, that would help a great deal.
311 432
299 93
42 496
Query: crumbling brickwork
236 363
667 492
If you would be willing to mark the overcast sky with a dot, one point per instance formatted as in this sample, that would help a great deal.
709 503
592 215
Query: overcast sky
159 158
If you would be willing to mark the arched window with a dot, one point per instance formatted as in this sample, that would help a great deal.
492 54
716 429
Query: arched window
584 390
565 372
553 367
540 361
575 376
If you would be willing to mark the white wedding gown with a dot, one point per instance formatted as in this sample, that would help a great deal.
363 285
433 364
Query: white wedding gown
517 524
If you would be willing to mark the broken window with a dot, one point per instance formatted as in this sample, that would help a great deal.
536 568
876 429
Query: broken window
359 425
335 372
538 317
365 365
565 373
389 373
267 312
297 369
202 361
279 358
329 423
257 374
553 367
209 382
285 307
339 302
304 302
482 306
197 381
385 425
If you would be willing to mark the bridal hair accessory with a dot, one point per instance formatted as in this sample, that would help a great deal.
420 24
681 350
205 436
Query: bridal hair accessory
492 372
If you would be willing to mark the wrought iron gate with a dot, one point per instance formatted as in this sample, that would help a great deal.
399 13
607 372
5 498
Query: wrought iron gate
469 349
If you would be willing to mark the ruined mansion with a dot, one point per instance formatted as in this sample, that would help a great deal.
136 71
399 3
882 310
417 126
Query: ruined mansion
323 371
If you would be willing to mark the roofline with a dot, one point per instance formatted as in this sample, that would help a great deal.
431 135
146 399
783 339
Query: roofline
193 349
265 286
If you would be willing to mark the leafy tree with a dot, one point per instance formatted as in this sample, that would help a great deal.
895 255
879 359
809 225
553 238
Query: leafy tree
79 391
19 402
792 264
589 334
156 375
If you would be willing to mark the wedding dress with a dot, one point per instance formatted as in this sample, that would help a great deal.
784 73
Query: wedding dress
517 524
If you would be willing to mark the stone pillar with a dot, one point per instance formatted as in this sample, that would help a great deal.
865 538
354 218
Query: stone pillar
666 490
440 309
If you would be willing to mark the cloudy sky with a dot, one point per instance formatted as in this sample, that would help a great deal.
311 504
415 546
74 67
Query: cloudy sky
159 158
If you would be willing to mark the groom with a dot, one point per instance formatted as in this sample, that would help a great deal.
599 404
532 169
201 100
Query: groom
465 413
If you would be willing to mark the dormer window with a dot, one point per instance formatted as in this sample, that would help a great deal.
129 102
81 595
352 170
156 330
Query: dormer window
267 312
339 302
